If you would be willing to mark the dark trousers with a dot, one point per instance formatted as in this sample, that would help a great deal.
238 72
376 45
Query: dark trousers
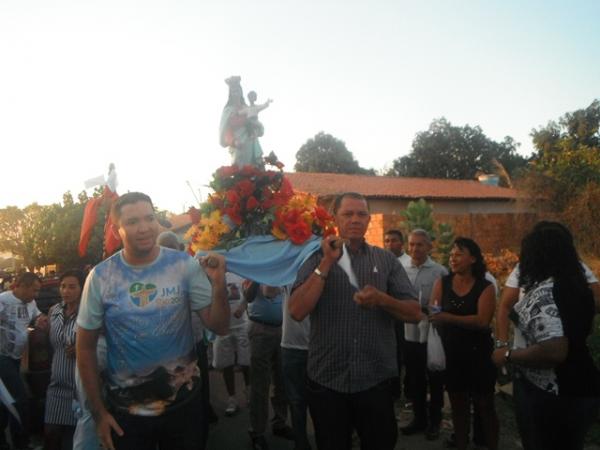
265 367
293 364
419 378
11 376
201 353
175 430
551 422
398 383
336 414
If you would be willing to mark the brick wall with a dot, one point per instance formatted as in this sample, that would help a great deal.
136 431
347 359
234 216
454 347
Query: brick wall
492 232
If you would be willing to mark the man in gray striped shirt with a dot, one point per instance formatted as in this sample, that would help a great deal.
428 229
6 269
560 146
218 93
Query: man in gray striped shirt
354 296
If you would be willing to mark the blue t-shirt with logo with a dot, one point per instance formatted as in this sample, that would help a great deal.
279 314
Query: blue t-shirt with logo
145 311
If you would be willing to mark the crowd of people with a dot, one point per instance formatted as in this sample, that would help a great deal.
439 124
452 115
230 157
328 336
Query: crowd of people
130 342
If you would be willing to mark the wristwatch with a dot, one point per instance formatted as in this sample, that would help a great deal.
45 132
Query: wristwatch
501 343
507 354
320 274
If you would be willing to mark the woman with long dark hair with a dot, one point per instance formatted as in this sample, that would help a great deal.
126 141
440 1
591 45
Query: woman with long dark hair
556 385
60 418
467 302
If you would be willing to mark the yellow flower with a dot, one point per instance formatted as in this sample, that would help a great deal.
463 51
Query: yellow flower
278 233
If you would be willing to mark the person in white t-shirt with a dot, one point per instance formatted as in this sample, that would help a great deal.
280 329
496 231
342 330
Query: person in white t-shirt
18 311
295 337
512 293
234 347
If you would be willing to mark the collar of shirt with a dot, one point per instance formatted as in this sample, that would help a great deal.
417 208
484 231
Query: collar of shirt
362 249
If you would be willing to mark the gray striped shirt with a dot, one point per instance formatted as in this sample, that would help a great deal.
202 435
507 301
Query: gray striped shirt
353 348
61 391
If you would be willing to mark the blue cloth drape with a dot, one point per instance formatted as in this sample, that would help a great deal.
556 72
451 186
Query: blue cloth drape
268 260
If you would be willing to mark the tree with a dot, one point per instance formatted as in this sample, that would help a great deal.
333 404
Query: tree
23 233
447 151
567 156
419 214
325 153
42 235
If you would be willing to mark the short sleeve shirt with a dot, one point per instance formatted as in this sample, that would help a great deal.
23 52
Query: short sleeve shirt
353 348
145 311
422 278
15 316
539 320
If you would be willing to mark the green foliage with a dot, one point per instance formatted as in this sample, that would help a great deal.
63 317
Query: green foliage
327 154
41 235
447 151
444 243
567 156
419 214
584 220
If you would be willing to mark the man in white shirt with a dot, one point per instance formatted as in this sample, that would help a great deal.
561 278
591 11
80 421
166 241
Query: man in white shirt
422 272
18 311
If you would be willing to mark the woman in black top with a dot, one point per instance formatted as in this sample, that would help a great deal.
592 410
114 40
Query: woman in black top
556 385
467 303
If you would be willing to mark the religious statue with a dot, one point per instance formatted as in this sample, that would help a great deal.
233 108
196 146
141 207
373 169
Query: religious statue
240 127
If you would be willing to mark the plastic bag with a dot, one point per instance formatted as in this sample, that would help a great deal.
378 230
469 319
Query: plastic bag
436 358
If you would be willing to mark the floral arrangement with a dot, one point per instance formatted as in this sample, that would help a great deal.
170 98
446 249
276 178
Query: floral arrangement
250 201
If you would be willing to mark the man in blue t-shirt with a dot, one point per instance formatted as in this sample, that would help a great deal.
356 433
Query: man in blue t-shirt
142 297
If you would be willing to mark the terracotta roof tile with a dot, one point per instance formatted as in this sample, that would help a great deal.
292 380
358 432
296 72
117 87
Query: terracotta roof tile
179 221
326 184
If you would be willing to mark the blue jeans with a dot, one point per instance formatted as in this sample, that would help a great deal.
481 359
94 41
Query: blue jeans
549 422
294 381
10 373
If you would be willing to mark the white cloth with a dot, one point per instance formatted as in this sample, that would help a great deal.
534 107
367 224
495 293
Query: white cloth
346 265
405 259
15 316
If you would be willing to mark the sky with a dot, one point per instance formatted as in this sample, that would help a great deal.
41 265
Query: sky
141 83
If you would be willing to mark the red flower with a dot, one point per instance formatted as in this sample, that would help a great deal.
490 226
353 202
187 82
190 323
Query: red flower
286 187
245 188
249 170
251 203
298 232
322 215
234 214
232 197
217 201
227 171
194 214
